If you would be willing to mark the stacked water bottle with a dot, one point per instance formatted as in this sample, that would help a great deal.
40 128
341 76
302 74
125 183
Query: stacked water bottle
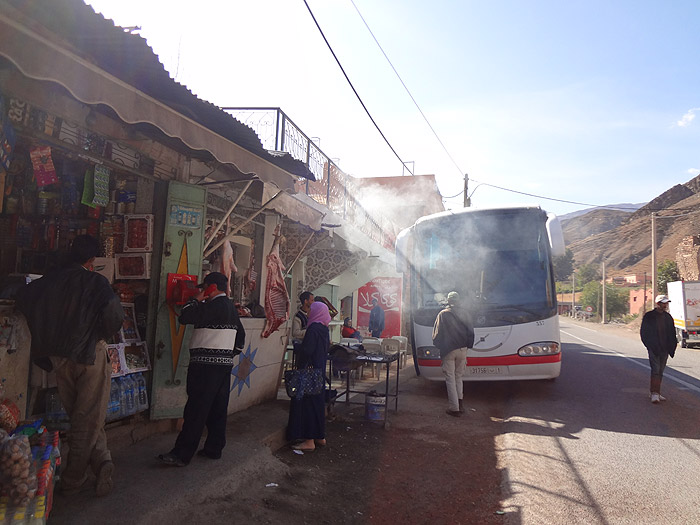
127 396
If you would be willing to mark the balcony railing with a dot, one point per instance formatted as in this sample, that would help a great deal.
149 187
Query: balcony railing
332 188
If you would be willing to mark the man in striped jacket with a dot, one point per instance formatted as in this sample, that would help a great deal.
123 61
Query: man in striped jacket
217 338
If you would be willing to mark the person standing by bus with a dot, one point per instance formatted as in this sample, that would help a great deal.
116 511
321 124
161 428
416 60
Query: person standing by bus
659 336
453 334
376 319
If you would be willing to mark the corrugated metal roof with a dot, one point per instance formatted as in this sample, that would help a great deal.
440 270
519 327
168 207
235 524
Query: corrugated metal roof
129 58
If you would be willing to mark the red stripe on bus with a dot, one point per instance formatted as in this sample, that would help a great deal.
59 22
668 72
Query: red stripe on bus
506 360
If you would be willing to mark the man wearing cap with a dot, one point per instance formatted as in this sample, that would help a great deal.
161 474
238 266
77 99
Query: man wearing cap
659 336
217 338
453 334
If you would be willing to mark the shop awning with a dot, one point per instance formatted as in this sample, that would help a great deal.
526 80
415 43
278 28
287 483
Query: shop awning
294 209
39 58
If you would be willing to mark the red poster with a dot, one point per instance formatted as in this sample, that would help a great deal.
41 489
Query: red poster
387 291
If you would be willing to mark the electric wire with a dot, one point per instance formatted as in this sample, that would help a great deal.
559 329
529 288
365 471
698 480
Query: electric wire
353 88
453 196
407 90
330 48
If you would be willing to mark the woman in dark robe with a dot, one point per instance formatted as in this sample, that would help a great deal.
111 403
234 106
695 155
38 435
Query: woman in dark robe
307 416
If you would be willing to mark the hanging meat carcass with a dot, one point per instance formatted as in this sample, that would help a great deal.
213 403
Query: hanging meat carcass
251 276
276 298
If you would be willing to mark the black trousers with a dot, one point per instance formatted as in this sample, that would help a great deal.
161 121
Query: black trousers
208 390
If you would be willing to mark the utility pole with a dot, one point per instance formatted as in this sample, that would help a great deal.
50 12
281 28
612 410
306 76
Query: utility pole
653 255
644 307
573 294
602 310
467 200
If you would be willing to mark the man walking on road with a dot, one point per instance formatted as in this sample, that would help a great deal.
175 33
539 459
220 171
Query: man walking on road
659 336
71 312
217 338
376 319
453 334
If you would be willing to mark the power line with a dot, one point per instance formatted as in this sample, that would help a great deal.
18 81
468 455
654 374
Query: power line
453 196
429 125
407 90
353 87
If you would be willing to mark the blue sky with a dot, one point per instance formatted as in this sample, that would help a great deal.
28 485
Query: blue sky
592 102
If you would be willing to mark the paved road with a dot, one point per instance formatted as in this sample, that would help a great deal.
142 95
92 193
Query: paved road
590 447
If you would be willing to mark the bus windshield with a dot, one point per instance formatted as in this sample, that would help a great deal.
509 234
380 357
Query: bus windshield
499 263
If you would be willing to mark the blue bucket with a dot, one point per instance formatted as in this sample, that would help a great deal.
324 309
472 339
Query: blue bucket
375 407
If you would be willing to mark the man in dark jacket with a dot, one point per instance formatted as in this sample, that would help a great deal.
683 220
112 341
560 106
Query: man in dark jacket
659 336
453 334
376 319
71 312
218 337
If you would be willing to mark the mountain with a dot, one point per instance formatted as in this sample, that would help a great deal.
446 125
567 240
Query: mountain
624 241
599 220
628 207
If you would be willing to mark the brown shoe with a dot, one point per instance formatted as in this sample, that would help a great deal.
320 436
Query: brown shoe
103 484
453 413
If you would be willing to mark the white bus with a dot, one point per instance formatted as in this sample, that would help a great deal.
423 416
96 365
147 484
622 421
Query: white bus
499 260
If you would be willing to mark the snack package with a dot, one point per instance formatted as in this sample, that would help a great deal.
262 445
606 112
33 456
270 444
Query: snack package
9 415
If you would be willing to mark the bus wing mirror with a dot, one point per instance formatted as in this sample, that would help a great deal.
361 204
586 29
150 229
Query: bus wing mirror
404 241
556 236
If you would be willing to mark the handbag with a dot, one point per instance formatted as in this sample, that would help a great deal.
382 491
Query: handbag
303 382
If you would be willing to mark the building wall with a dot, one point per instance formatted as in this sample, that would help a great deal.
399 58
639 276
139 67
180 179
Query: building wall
637 300
687 258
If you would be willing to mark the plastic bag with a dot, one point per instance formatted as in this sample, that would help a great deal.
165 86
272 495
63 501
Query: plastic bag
17 471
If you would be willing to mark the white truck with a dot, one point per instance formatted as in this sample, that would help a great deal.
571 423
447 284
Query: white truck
685 310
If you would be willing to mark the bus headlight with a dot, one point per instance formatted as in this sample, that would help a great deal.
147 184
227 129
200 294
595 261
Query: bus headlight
542 348
428 352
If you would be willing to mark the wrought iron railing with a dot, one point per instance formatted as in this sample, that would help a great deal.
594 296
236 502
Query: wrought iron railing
332 187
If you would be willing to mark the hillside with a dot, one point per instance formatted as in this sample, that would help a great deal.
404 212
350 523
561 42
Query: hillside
626 206
626 248
592 223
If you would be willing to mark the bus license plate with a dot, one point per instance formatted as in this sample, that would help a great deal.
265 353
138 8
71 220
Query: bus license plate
485 370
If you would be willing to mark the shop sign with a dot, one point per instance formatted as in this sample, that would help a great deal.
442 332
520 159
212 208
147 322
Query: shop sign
387 291
185 216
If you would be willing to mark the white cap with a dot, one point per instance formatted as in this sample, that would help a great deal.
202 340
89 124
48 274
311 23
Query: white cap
662 299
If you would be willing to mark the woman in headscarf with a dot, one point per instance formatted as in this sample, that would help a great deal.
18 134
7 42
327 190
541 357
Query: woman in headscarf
307 416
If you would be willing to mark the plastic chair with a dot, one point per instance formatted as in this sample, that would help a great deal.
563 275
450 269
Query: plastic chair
373 346
390 346
403 349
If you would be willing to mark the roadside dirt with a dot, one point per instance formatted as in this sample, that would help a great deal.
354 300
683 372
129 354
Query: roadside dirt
427 467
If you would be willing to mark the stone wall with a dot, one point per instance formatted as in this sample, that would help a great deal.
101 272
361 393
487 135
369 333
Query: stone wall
687 258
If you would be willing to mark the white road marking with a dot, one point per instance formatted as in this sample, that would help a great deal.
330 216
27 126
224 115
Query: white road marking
643 365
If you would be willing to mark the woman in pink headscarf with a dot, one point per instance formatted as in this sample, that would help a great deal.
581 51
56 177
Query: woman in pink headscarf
306 428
